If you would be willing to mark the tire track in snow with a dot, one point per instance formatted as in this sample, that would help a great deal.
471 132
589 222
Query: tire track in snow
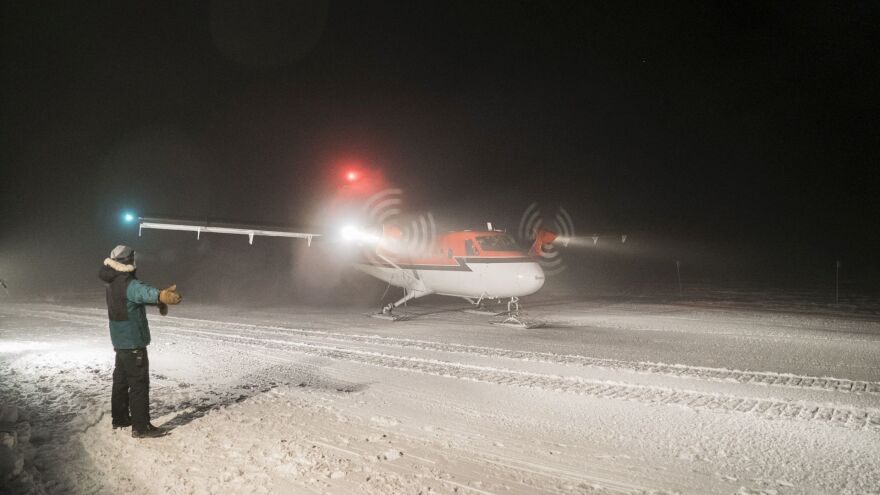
854 418
766 378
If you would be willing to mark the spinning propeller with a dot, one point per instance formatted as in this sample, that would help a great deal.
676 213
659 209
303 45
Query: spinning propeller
559 222
416 234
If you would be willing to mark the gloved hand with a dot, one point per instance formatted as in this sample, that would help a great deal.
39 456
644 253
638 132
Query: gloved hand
163 308
170 295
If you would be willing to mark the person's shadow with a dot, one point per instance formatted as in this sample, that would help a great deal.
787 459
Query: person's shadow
305 376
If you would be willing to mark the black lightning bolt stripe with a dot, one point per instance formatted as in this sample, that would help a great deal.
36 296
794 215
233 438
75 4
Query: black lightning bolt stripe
462 265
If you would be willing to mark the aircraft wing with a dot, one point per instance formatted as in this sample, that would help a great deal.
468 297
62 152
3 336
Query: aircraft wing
221 228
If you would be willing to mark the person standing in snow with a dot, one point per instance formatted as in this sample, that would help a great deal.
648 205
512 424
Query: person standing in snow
130 334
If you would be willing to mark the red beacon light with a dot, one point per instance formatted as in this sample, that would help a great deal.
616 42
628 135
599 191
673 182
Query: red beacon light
351 175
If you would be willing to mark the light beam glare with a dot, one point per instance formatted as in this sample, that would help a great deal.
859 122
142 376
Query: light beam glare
351 233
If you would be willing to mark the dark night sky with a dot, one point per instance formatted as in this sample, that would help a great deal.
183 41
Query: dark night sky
747 124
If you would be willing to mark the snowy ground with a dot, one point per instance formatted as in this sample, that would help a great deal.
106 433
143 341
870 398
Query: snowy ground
615 396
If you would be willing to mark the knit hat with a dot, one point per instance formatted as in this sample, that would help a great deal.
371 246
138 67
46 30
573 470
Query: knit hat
122 254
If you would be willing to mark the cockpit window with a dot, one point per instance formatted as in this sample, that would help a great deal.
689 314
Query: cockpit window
500 242
469 248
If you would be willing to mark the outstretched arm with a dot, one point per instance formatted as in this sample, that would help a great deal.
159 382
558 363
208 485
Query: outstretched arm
141 293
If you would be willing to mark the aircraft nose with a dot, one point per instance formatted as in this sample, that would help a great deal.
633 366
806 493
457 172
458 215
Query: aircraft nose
530 278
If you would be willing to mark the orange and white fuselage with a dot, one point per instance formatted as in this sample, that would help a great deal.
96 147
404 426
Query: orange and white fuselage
469 264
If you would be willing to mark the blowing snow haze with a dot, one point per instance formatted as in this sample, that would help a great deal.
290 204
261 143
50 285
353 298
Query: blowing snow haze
740 138
684 298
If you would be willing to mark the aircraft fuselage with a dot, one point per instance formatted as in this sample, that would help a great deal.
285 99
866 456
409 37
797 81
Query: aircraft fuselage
463 264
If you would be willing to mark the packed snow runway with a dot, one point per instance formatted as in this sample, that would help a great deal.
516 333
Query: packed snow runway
613 396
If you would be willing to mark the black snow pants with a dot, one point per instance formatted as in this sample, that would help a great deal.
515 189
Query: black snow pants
131 388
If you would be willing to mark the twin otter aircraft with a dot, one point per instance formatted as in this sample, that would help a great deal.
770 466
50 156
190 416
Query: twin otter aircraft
474 265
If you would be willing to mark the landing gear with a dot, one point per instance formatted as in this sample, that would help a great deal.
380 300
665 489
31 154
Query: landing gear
516 317
387 310
480 307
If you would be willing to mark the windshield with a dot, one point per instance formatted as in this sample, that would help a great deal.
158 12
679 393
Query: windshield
500 242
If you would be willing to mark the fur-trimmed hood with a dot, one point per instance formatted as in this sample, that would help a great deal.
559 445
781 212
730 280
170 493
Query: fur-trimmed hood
113 269
119 267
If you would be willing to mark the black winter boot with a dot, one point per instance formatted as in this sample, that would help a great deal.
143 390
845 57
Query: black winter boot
150 432
124 423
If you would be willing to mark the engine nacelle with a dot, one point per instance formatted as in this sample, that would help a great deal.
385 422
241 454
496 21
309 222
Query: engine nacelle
542 237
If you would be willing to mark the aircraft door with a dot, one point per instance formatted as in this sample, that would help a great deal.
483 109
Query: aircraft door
475 277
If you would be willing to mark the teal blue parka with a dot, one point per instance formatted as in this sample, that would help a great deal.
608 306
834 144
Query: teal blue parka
126 300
